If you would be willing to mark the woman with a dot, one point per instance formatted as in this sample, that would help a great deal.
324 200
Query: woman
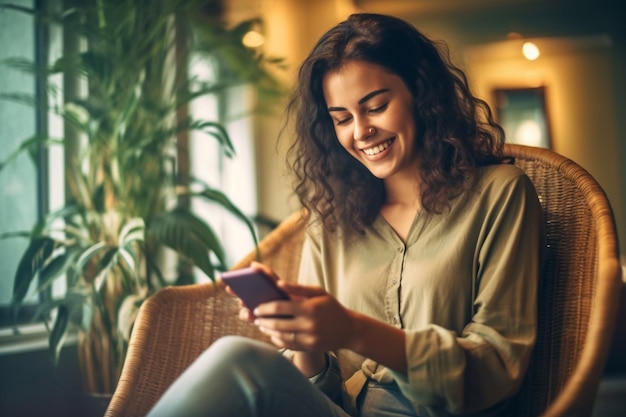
417 288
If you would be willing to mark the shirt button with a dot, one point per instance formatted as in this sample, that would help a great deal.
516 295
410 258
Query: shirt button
395 281
394 320
400 250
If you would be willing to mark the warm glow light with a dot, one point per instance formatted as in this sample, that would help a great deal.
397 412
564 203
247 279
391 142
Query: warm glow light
530 51
253 39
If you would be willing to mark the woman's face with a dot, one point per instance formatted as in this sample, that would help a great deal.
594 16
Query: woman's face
372 112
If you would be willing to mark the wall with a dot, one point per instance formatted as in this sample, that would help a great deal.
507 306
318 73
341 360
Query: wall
579 95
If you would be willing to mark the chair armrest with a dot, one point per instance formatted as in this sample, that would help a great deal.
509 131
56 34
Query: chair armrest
172 329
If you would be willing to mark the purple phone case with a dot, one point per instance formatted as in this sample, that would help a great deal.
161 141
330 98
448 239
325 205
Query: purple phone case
253 287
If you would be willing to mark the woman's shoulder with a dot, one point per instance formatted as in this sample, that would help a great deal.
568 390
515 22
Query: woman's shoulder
502 179
501 174
503 170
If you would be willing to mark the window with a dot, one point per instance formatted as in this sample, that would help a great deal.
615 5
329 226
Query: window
23 189
233 176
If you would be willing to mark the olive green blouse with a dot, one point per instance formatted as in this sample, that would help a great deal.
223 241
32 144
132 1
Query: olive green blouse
463 287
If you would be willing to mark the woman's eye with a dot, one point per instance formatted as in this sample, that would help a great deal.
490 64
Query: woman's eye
379 108
342 121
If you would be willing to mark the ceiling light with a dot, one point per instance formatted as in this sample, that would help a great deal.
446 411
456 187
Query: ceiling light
253 39
530 51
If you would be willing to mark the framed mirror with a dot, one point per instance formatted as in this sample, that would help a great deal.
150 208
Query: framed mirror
522 113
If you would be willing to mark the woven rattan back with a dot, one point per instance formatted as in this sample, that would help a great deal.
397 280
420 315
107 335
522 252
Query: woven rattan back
578 288
577 306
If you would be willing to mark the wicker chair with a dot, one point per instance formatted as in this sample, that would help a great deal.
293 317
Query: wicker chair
577 306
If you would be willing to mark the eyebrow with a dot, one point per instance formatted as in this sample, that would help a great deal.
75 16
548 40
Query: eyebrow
362 100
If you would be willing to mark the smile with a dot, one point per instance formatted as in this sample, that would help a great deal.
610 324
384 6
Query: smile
375 150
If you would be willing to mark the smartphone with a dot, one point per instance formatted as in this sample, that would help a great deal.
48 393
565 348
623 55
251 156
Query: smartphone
253 287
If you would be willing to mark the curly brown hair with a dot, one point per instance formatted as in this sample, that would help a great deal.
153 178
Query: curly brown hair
456 131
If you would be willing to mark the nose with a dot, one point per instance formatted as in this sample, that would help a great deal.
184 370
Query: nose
362 132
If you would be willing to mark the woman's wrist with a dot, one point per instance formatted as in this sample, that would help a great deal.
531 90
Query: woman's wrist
358 327
309 363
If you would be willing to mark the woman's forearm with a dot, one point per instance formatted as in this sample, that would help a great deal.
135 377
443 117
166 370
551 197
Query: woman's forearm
378 341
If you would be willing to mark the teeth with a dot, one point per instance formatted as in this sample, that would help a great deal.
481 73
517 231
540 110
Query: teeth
375 150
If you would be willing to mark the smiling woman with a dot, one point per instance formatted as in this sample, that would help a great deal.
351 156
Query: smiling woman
392 315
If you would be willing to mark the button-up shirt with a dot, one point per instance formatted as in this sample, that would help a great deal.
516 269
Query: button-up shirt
463 287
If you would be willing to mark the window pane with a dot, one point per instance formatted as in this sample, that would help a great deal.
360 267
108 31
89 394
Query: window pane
234 177
18 180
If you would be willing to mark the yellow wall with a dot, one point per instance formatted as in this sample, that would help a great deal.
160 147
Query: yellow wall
576 73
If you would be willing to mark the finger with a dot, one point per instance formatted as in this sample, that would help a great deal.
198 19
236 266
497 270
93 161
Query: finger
246 315
278 324
283 309
302 290
282 339
229 291
264 268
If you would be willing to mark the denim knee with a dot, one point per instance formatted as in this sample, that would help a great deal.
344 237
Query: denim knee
240 350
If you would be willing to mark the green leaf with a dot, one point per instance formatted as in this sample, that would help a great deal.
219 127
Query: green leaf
218 132
86 314
154 267
86 256
63 213
29 145
105 264
129 110
9 235
18 8
58 333
55 267
132 230
20 98
129 257
35 256
190 236
127 313
220 198
73 300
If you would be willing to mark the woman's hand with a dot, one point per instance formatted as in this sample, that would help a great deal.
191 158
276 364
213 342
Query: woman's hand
308 359
319 322
245 313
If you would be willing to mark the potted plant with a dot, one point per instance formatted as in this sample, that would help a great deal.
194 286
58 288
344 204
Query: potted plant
126 200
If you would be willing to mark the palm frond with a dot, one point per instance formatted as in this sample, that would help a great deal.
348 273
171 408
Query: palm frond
191 237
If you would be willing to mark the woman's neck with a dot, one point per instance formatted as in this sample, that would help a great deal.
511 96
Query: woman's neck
403 189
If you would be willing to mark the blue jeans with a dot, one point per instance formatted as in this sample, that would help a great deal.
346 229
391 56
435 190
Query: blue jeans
237 376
